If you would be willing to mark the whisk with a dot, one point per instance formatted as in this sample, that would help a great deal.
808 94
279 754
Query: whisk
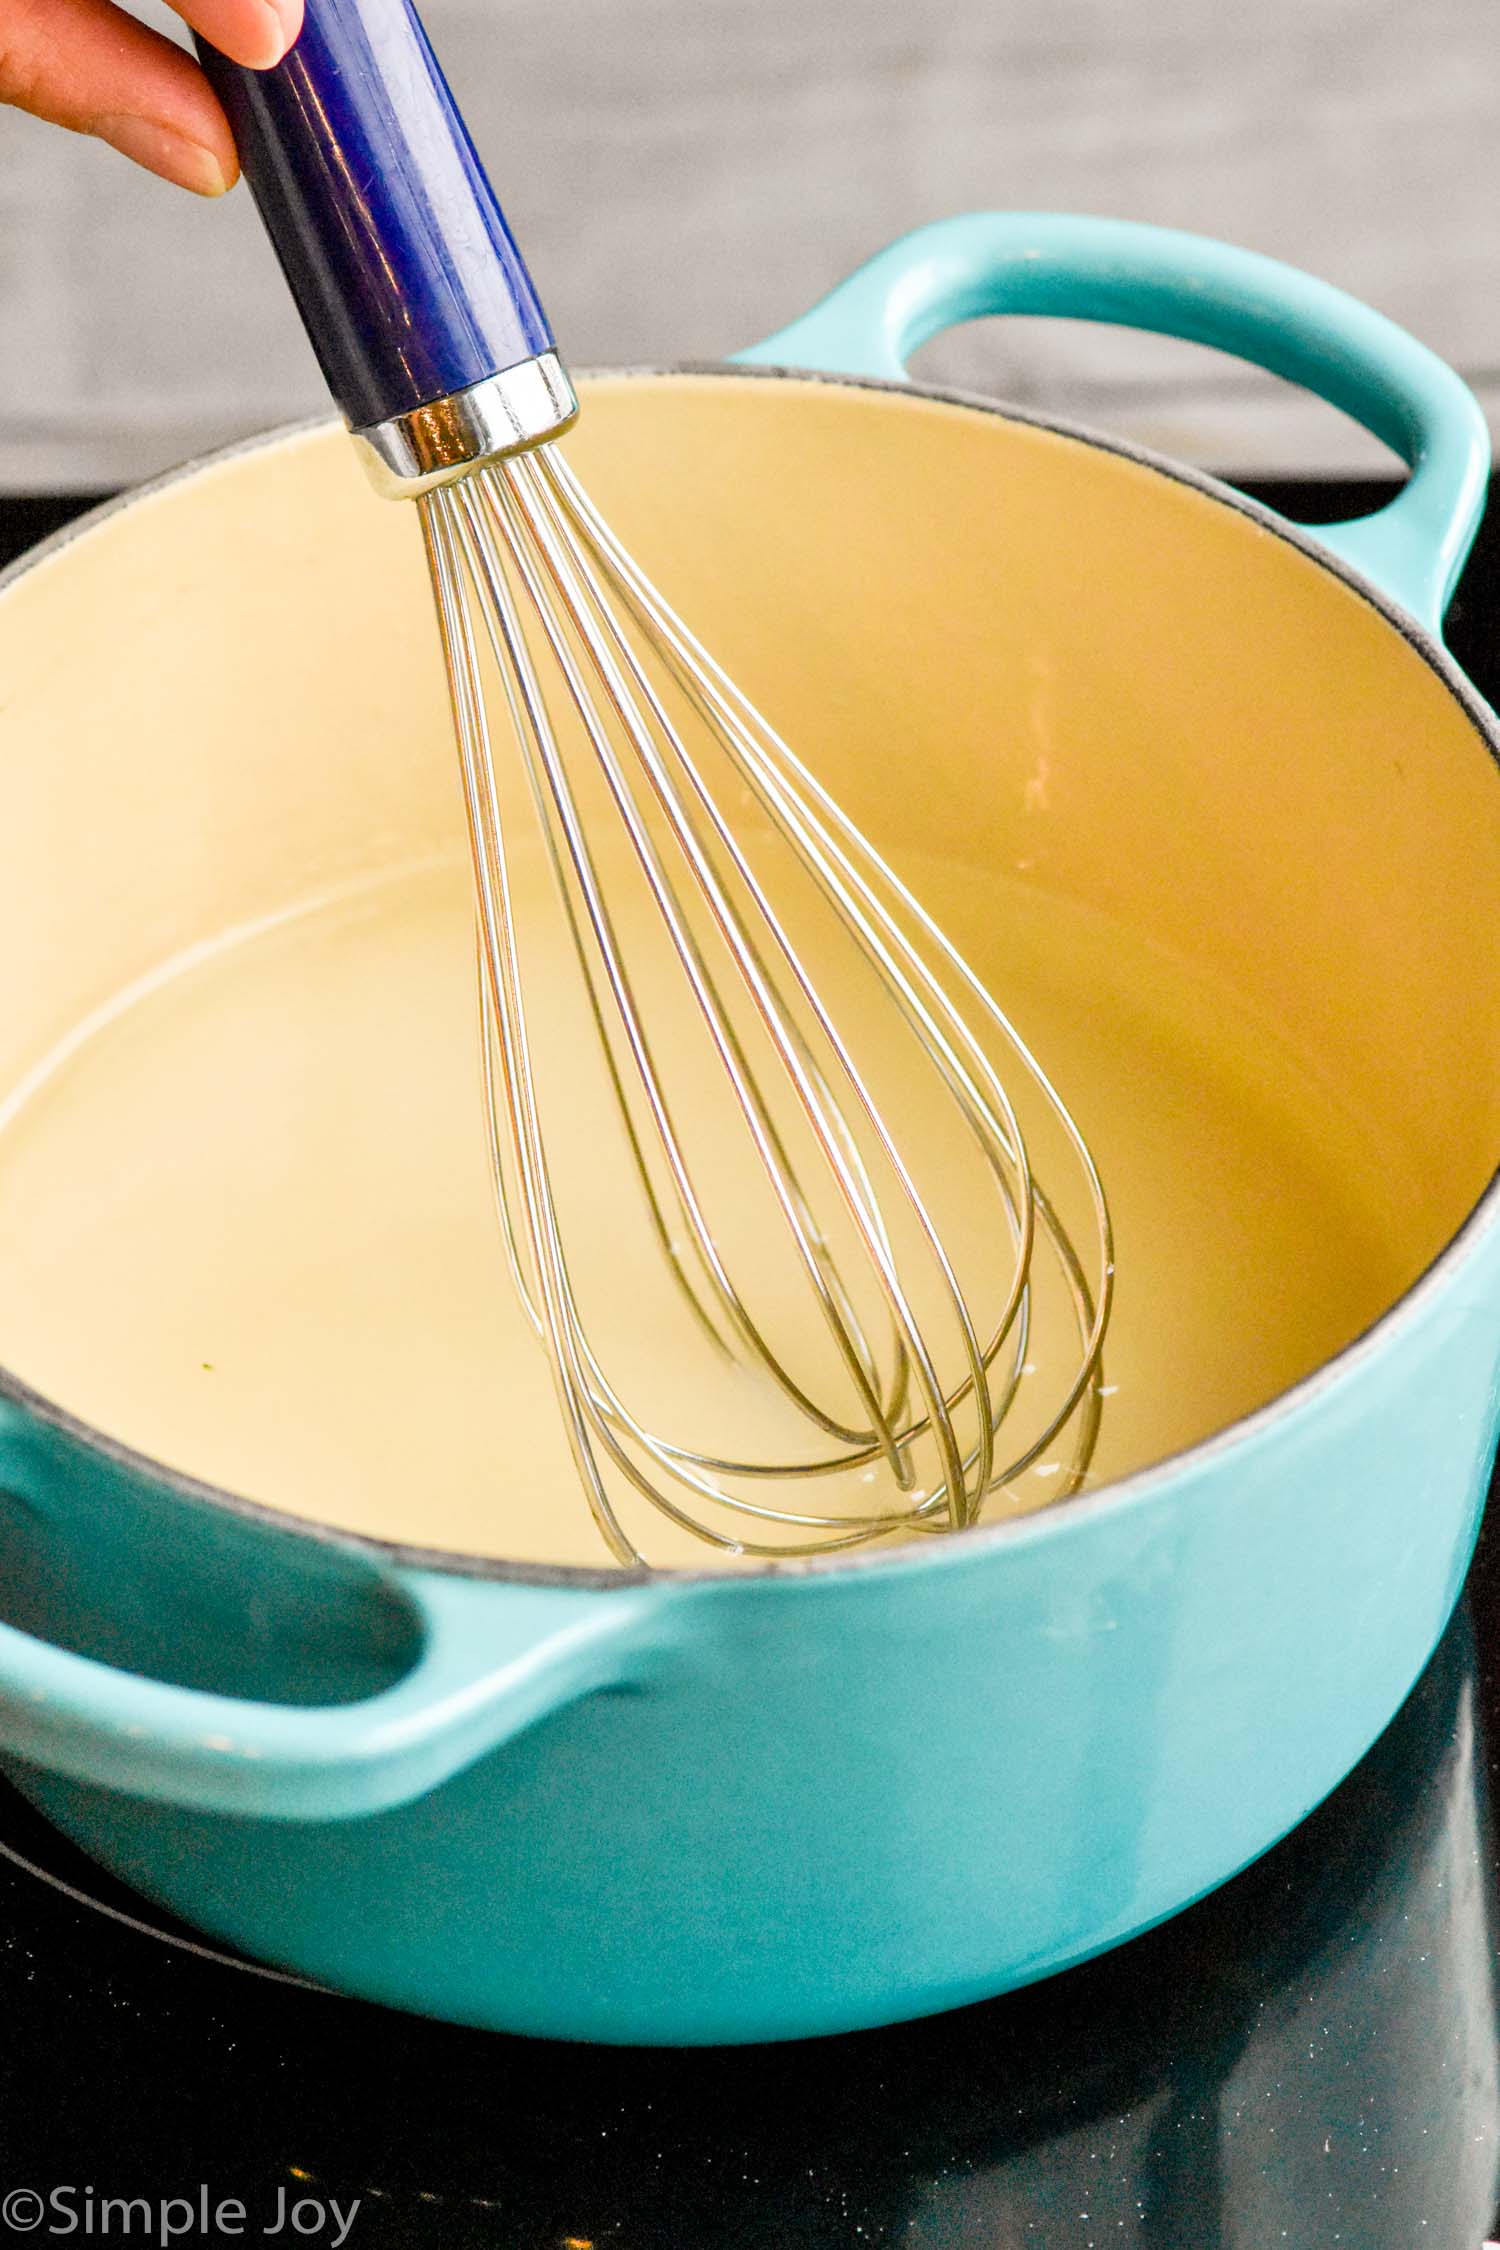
825 1128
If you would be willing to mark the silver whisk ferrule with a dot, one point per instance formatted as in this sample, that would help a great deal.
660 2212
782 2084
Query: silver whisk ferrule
733 936
521 407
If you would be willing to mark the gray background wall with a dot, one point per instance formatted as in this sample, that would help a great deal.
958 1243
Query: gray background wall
687 174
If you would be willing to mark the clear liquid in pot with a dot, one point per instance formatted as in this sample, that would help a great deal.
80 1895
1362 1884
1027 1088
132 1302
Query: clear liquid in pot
246 1221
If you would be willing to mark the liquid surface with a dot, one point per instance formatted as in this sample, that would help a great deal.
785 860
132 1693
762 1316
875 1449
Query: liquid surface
247 1225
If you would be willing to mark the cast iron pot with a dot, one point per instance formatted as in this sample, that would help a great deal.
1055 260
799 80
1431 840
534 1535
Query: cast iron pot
811 1797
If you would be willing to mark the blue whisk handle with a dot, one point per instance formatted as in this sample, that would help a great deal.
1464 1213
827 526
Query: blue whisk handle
406 275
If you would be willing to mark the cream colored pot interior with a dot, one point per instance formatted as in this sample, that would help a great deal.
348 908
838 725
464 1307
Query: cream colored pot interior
1005 650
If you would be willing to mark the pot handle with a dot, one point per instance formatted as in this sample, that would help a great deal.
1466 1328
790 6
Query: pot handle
494 1660
1205 292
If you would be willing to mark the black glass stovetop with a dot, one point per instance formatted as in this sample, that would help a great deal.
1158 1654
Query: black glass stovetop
1310 2058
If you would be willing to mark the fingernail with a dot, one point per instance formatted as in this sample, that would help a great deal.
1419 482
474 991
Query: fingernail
171 155
276 26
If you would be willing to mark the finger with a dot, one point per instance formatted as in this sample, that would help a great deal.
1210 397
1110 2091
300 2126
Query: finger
257 32
88 65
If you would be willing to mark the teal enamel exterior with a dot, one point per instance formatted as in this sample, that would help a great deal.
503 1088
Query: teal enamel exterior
692 1810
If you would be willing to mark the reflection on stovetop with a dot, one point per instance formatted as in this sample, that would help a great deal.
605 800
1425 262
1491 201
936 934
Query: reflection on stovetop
1311 2056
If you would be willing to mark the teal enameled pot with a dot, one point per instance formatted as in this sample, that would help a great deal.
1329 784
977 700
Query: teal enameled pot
802 1798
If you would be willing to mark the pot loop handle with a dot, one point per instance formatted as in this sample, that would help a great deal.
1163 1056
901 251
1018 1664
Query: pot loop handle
1204 292
494 1661
493 1658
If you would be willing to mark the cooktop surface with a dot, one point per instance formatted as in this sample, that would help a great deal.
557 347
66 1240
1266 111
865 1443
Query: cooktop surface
1310 2057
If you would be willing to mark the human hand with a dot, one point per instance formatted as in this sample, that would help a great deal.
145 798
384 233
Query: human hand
88 65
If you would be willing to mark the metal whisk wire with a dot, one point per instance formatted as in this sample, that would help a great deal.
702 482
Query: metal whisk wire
439 354
521 542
